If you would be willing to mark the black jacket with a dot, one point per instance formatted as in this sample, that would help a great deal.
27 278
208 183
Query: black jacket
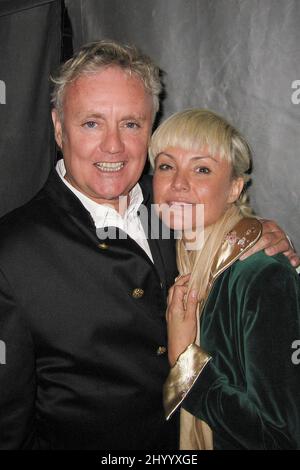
83 365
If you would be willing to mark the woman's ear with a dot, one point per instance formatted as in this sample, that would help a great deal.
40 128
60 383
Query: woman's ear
236 189
57 128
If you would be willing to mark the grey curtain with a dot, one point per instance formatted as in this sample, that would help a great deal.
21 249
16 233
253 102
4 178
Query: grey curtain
30 47
240 58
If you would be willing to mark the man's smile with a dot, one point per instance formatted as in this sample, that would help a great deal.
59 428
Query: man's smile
109 166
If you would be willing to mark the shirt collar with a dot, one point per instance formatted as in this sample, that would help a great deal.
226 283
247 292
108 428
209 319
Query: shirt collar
104 215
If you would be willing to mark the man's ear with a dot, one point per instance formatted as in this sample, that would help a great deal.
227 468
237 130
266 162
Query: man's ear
57 127
236 189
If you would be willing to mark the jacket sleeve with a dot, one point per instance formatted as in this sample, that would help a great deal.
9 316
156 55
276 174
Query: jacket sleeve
17 376
266 413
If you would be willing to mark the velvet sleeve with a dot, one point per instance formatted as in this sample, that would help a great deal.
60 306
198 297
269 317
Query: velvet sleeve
266 413
17 376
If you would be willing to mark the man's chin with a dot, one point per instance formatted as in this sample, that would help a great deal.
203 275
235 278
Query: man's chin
118 202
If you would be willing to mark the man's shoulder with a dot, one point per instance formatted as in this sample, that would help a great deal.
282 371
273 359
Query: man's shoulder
18 224
37 209
24 212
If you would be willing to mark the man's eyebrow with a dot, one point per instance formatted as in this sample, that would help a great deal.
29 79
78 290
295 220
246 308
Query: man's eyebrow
127 117
197 157
140 117
89 115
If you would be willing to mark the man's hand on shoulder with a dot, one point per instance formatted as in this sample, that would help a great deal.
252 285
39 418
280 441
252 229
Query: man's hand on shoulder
273 241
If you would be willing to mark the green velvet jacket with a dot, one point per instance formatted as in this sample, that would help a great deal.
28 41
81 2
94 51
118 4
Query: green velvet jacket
249 392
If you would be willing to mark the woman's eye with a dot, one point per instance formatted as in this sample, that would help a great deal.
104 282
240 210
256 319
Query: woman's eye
203 169
164 167
90 124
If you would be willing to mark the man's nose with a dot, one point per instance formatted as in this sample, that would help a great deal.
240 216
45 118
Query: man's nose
112 142
180 182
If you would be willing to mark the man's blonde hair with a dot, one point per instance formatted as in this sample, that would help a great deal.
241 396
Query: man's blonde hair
105 53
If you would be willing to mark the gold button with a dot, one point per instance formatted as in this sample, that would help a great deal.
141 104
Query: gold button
137 293
103 246
161 350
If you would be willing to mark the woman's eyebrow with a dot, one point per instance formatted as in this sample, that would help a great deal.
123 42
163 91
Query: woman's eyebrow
166 154
201 157
197 157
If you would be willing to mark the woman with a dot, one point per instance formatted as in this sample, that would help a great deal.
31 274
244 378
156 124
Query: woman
235 378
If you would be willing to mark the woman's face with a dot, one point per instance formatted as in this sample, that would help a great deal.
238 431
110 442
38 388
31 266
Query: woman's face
187 181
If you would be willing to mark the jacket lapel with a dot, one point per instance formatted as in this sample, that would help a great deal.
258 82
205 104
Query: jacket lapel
162 250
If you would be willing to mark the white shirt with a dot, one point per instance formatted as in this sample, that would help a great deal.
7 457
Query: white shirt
107 216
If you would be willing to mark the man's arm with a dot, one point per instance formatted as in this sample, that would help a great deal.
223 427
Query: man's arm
17 375
274 241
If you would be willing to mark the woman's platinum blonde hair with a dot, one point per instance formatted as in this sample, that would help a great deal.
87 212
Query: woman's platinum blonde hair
194 129
99 54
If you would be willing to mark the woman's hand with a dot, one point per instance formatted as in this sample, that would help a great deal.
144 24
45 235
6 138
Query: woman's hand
274 241
181 320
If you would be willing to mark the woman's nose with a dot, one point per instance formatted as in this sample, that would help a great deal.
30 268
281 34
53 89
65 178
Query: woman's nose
180 182
112 142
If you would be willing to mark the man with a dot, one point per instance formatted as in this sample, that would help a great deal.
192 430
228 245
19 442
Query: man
82 318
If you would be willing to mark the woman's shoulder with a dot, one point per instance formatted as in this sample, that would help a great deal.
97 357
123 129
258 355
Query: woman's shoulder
243 236
265 285
261 268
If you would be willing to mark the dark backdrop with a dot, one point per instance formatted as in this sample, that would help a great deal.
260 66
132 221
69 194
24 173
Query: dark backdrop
240 58
30 47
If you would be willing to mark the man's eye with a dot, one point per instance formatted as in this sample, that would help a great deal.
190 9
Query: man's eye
90 124
203 169
132 125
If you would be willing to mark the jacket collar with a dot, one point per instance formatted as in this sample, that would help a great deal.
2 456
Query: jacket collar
65 198
240 239
163 251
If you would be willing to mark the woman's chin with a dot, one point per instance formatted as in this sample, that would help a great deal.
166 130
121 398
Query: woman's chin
181 218
177 224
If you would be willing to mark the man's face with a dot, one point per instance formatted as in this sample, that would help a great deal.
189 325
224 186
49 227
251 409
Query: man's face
107 120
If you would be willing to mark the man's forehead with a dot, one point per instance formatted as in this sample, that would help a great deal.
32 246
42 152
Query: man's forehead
110 75
99 93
